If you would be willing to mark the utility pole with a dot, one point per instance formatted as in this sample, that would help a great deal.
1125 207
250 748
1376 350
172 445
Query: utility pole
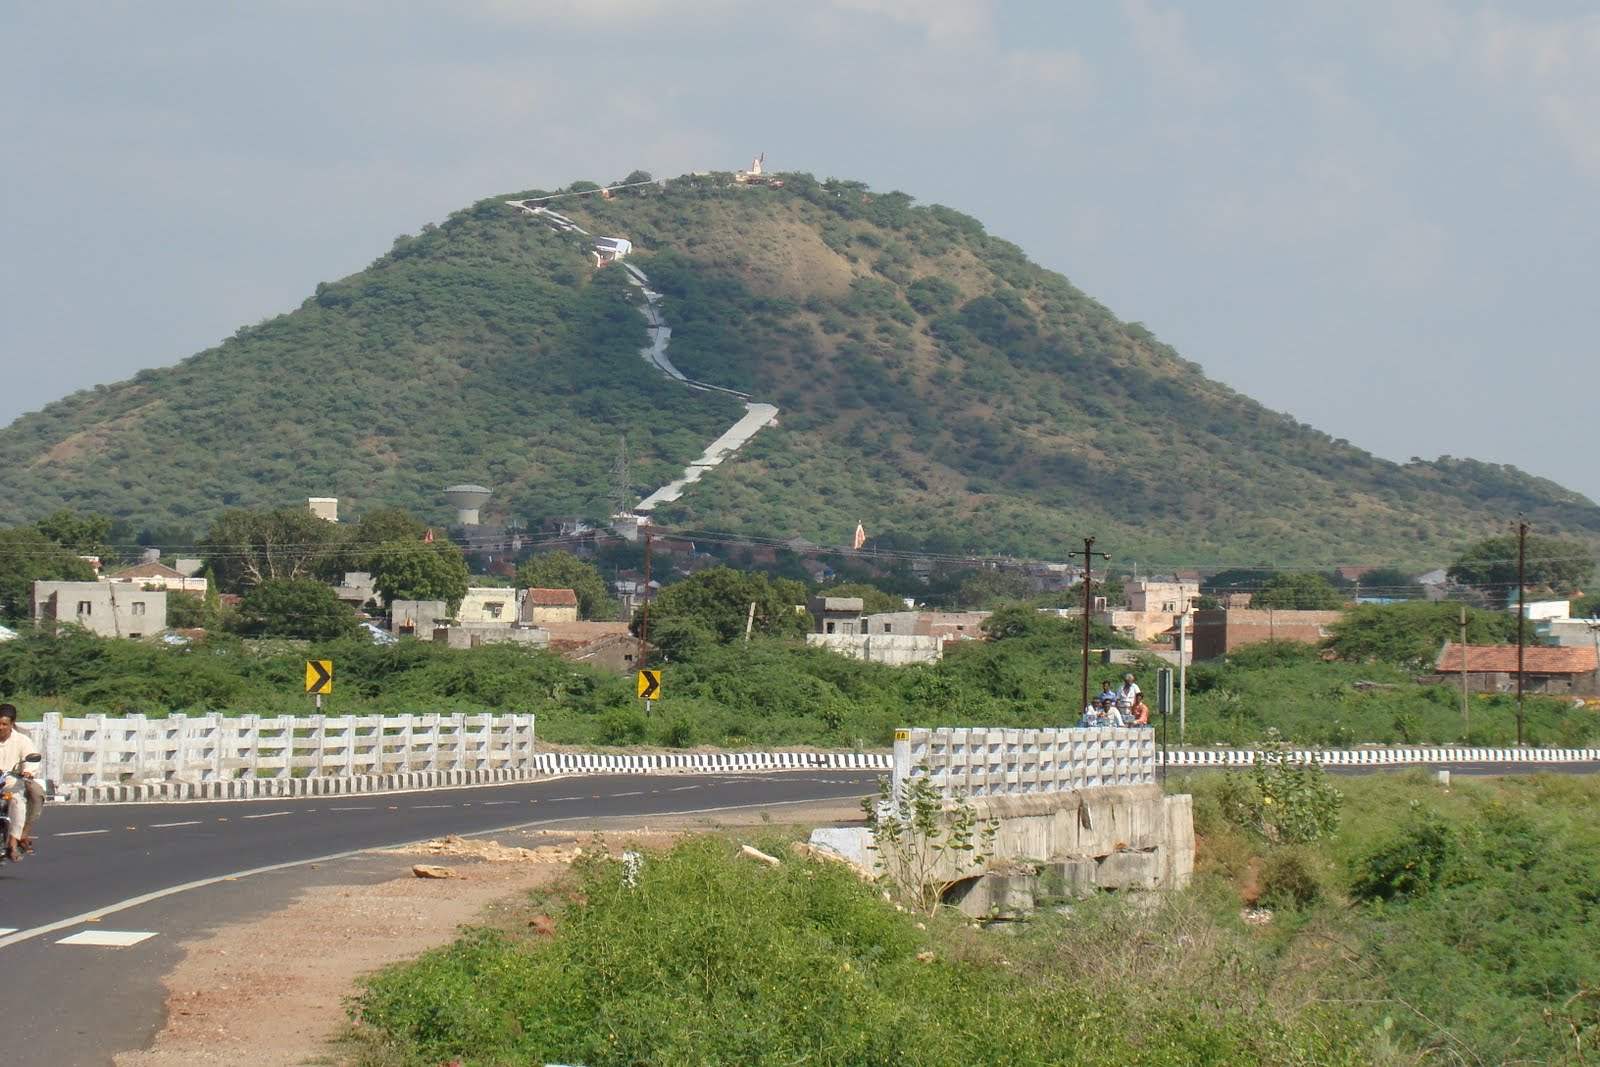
1088 601
1522 615
644 618
1183 672
1466 723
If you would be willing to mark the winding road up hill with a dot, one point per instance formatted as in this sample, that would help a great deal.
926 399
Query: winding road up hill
933 383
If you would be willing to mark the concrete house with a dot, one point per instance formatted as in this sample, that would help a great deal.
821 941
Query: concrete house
836 614
1219 631
545 607
488 605
158 576
1160 596
416 618
108 609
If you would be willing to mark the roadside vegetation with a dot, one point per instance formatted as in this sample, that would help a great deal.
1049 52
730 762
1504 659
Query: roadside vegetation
1425 926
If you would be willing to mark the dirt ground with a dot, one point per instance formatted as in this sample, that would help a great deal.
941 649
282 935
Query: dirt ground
271 991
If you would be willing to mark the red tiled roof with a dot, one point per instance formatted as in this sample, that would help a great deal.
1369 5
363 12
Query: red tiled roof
552 598
1536 659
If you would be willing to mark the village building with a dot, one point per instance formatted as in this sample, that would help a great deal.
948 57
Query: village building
1218 631
945 625
412 618
108 609
836 614
488 605
609 646
158 576
1493 668
546 607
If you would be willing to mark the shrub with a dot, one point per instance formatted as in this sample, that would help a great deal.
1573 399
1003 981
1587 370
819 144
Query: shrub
623 726
1290 879
1409 865
1284 802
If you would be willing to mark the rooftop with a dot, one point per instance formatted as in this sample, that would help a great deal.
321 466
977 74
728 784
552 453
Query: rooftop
551 598
1537 659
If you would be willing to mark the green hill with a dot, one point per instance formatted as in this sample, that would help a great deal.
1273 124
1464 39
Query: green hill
932 383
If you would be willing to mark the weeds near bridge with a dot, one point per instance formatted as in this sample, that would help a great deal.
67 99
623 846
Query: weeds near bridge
925 842
1285 802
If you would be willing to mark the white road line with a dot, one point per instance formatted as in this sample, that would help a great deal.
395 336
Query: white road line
637 793
201 883
268 815
80 833
164 825
554 799
358 807
108 938
492 803
4 930
421 807
681 788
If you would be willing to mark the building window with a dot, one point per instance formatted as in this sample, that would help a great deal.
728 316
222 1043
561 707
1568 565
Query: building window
492 609
138 608
830 627
85 607
134 637
888 627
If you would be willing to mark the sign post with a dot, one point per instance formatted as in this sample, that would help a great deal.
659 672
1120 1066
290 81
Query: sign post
649 687
1164 706
319 678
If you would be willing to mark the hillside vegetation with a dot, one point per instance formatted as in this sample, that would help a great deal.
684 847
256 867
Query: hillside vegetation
932 382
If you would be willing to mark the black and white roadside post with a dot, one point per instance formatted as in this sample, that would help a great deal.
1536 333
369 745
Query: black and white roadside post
1164 706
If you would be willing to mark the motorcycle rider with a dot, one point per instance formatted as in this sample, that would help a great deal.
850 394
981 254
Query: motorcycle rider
24 808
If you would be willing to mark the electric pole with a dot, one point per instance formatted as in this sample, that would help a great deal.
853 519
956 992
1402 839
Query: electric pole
644 616
1522 615
1088 601
1466 724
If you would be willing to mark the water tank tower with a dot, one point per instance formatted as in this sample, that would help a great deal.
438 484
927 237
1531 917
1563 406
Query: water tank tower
467 499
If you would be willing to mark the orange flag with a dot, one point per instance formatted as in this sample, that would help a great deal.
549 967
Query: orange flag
861 537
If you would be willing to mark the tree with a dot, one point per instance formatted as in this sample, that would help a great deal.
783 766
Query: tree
294 607
417 570
360 540
1411 634
27 556
245 548
1387 582
563 570
992 586
1552 564
86 534
715 603
1303 592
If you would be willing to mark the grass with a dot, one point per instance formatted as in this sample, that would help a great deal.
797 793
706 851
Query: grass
714 960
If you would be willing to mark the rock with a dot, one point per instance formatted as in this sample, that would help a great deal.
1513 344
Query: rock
825 855
759 856
1256 916
993 896
429 870
1129 870
1068 879
925 957
854 843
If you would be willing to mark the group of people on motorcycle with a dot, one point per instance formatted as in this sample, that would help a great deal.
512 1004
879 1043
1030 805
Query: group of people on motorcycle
23 805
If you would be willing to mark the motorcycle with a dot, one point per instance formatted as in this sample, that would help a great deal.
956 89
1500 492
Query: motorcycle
10 783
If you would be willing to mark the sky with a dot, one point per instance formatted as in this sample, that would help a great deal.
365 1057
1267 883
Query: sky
1379 217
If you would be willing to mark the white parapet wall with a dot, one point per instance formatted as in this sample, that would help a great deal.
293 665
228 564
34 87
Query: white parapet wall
999 762
893 650
100 750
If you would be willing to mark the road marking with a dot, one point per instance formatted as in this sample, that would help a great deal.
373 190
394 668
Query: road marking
635 793
358 807
108 938
164 825
554 799
80 833
681 788
422 807
4 930
268 815
492 803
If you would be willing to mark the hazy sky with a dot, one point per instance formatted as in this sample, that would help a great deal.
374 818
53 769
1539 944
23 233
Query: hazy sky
1381 217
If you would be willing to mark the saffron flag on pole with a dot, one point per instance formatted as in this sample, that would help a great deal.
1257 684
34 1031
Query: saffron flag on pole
860 538
427 538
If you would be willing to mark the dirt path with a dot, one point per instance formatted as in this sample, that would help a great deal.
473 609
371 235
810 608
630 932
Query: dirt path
270 992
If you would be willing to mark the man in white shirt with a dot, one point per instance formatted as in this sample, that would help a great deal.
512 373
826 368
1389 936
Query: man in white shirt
23 808
1128 695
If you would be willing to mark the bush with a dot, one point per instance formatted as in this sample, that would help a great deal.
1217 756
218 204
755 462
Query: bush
1283 802
1290 879
623 726
1410 865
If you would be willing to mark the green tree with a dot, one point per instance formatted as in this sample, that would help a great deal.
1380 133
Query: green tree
86 534
415 570
1552 564
27 556
188 610
1387 582
245 548
294 607
714 604
563 570
992 586
1411 634
1304 592
360 540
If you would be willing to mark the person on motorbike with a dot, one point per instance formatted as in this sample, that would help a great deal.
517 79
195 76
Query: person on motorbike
24 808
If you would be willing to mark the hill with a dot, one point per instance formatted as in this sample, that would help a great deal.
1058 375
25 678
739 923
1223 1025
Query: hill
931 383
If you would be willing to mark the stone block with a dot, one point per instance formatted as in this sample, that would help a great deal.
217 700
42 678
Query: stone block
993 896
1129 870
1068 879
853 843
